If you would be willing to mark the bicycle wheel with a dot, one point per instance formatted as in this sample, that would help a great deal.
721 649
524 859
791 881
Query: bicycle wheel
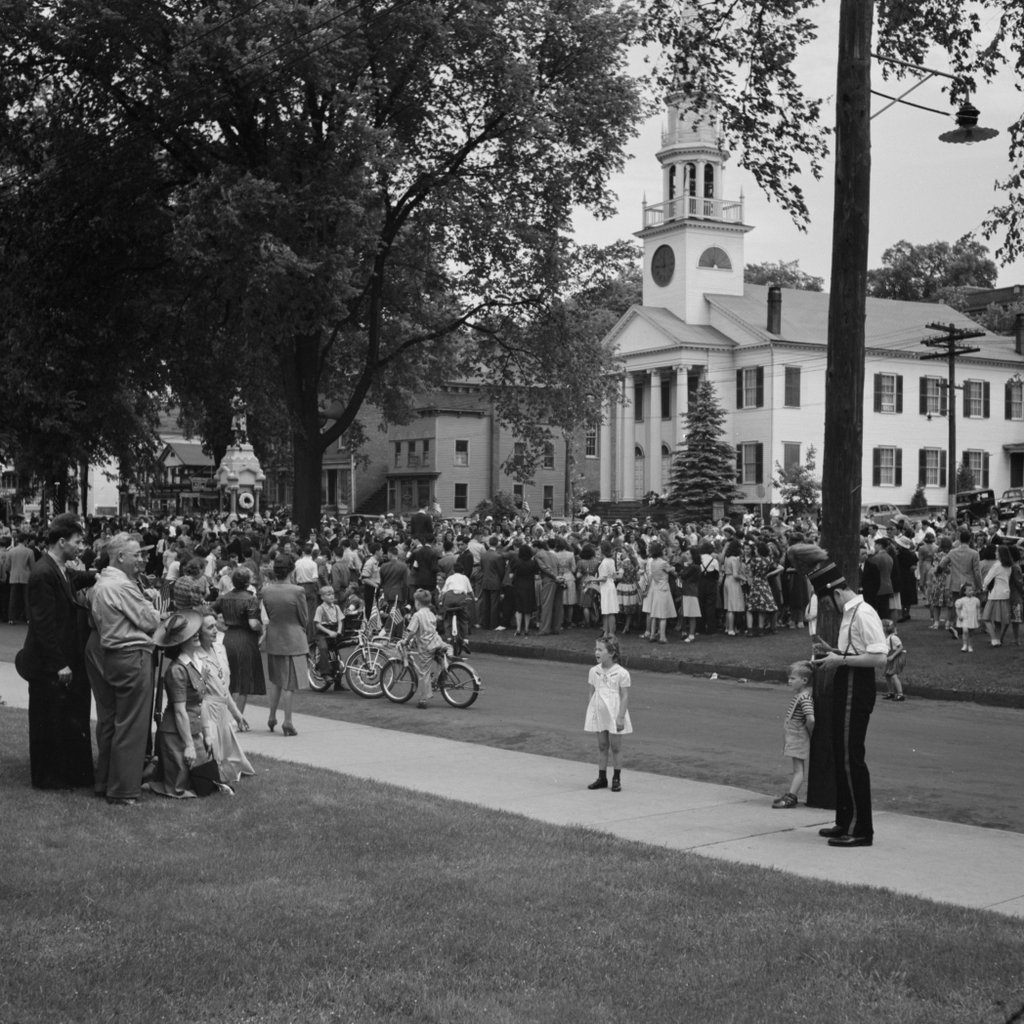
317 681
397 682
363 671
459 685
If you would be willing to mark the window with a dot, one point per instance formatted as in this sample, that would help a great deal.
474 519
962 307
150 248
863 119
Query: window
329 487
709 181
931 467
887 467
749 463
549 496
1015 400
590 444
888 393
750 387
426 451
422 493
461 497
666 466
792 398
413 461
666 399
790 455
638 400
398 454
977 463
976 400
549 455
715 259
519 449
933 396
517 494
461 453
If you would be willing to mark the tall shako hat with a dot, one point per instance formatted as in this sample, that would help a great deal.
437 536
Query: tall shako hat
826 578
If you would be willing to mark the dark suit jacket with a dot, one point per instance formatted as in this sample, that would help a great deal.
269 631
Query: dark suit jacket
55 637
492 566
421 526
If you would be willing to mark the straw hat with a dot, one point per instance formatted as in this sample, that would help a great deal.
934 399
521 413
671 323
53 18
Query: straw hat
181 626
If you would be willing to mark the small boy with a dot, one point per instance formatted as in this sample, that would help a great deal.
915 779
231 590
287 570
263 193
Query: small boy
895 659
798 725
327 622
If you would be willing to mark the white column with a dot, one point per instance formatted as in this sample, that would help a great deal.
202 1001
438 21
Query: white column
605 452
654 434
700 187
682 404
620 439
628 490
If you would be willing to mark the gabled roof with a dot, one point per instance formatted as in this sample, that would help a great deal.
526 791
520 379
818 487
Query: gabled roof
672 327
187 453
890 324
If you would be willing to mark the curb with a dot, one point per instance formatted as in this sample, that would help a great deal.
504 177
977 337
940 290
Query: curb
739 673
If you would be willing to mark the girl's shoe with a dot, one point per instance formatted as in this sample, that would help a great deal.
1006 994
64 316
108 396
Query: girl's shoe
690 639
889 696
616 786
786 801
271 722
288 729
965 648
899 698
934 625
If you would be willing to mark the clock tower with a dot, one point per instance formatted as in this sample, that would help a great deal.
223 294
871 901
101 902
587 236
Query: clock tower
693 238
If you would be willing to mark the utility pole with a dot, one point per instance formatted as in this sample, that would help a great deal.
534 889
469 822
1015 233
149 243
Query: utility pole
951 348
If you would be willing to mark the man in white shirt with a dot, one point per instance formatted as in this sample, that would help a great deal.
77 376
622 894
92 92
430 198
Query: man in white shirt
456 595
859 651
307 576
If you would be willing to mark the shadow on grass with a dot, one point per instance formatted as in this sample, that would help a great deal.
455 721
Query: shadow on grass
312 897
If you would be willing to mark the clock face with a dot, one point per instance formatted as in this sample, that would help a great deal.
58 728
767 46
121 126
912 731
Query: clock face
663 265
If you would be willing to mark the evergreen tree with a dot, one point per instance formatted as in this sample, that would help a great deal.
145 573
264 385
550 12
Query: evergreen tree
704 466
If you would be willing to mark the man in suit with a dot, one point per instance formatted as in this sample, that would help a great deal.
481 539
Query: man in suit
964 566
492 568
421 526
876 578
21 561
52 660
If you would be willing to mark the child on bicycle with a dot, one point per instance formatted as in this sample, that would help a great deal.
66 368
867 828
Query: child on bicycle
424 642
327 623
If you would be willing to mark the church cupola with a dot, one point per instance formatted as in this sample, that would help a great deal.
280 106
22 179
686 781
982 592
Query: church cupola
693 238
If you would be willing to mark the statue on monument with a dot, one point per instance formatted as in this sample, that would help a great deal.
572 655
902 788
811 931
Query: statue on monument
238 420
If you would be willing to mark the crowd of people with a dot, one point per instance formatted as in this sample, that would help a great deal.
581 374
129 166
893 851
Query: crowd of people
232 606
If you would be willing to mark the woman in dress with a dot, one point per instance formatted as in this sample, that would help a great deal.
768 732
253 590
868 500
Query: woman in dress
586 568
287 644
734 575
606 580
524 594
184 738
626 589
241 612
761 600
995 616
688 574
566 560
219 707
549 612
662 607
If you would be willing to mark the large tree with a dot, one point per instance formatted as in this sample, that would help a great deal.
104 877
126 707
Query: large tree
360 199
704 465
785 275
925 273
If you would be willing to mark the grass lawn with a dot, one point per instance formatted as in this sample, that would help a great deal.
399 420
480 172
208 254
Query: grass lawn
311 897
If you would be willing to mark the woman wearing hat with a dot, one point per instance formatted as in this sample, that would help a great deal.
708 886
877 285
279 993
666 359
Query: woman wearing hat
287 645
183 738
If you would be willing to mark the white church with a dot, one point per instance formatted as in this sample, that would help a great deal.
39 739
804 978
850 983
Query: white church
764 349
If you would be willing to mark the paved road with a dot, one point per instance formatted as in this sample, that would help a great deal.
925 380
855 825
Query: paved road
952 761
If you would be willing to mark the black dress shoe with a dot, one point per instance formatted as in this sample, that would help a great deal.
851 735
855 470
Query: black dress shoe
598 784
831 833
851 841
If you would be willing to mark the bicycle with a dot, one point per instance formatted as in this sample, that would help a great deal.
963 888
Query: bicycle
365 664
335 670
458 683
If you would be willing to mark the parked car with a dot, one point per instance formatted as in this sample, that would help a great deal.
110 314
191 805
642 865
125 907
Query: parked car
881 513
1010 502
975 504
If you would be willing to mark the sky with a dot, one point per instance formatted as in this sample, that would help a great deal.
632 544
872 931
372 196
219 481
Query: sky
922 190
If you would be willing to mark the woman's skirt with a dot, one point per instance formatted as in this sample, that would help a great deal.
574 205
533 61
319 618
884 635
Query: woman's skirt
244 661
629 597
690 608
288 671
996 610
569 596
662 605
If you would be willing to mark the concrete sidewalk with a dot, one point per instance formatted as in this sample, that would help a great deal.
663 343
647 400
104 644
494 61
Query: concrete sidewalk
949 863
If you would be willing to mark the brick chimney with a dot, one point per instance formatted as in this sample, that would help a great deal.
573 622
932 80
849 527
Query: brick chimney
1018 334
774 309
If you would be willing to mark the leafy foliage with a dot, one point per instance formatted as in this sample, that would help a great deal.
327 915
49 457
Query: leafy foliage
704 465
928 273
799 488
786 275
918 500
965 478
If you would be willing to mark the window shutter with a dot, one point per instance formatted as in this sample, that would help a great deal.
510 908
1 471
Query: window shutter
739 463
942 468
899 392
963 458
943 396
739 389
876 465
878 392
1007 406
759 458
898 475
985 401
922 466
923 397
760 389
984 467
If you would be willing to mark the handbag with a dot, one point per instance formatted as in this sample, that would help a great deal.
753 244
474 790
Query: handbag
643 582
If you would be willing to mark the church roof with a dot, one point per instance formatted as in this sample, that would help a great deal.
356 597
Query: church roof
673 328
891 324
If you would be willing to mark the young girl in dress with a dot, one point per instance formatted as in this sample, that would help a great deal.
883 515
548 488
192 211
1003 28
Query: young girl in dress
798 725
608 711
968 609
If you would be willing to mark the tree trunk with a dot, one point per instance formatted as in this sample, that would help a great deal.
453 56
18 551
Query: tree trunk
841 496
83 487
307 460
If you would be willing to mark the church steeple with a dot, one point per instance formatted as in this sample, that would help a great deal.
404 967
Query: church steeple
693 238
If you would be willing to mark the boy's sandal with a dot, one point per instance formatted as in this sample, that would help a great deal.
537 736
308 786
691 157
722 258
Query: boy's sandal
786 800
